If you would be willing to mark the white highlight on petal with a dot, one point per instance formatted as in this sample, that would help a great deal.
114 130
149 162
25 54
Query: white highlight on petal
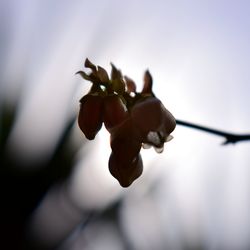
159 150
154 138
169 138
134 160
146 146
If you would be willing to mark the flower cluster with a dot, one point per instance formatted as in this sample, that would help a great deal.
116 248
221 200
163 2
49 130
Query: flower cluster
133 119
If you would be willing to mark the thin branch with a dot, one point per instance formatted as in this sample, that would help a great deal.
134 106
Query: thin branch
229 137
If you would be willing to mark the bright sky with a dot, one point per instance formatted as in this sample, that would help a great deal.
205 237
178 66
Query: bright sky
198 54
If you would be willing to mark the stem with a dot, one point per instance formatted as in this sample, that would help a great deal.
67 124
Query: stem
229 137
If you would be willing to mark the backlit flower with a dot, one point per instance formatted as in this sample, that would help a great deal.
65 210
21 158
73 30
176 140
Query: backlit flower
134 120
90 115
124 141
125 172
153 122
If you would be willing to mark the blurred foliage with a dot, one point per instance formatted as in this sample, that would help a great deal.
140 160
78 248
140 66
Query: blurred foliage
22 189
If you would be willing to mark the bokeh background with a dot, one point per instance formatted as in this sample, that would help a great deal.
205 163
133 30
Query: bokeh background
56 190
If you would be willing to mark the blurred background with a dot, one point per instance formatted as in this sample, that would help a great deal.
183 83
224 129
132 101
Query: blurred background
56 189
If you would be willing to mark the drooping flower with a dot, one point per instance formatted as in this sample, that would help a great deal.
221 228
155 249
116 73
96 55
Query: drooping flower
153 121
125 172
133 119
90 115
125 162
124 141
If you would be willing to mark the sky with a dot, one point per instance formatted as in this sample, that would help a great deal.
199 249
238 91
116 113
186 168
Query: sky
198 54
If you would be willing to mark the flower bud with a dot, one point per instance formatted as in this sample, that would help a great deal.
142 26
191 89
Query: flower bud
90 115
125 172
114 111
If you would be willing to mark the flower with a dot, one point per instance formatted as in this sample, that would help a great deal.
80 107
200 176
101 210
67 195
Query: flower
90 115
125 162
133 119
125 172
153 121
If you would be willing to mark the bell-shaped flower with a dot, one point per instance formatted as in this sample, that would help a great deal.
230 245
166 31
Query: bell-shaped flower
153 122
125 172
125 162
90 115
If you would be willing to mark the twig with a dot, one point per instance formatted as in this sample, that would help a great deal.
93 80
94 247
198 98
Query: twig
229 137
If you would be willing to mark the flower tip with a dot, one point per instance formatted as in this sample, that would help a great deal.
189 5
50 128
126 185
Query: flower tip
89 64
169 138
148 83
126 172
90 137
125 184
147 73
112 65
159 150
